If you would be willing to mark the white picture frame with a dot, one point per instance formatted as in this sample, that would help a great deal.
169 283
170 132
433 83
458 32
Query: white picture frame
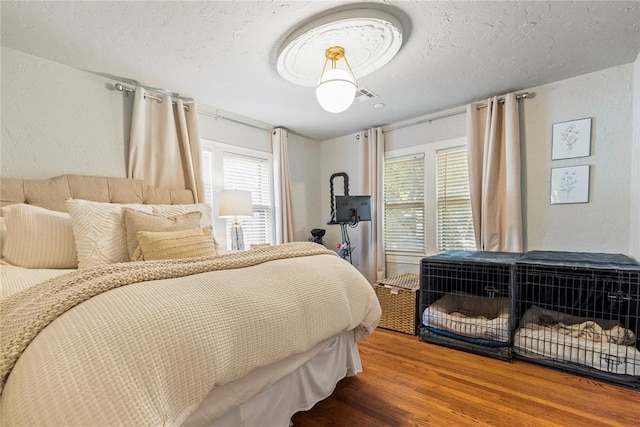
570 185
571 139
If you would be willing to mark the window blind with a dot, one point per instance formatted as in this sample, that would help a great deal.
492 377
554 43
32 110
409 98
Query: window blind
404 210
252 174
455 222
207 179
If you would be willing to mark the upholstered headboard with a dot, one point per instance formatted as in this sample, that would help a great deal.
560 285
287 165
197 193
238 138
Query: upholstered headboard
52 193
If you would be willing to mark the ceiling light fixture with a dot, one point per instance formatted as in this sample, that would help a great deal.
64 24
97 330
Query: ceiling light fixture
371 35
337 87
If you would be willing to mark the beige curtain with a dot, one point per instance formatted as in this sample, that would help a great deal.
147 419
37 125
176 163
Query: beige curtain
494 174
282 186
373 260
164 148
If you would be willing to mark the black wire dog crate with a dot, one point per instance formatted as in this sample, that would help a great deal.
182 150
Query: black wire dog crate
466 301
580 312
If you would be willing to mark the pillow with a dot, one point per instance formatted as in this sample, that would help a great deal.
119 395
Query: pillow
99 231
176 244
172 210
38 238
135 221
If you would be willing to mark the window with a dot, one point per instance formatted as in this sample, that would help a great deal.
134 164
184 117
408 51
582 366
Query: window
426 201
455 222
251 174
404 204
230 167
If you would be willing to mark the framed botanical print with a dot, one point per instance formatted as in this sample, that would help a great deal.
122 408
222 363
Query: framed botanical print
571 139
570 185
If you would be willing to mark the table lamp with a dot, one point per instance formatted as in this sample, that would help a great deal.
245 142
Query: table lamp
234 204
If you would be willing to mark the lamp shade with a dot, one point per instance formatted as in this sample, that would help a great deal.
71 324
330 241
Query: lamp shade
235 203
336 90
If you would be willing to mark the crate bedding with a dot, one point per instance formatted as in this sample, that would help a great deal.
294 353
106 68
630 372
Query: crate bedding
228 339
602 344
472 318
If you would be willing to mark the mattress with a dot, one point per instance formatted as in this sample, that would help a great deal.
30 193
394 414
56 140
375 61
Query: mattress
594 343
469 316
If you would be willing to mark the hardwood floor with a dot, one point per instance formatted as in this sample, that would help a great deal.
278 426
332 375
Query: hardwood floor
410 383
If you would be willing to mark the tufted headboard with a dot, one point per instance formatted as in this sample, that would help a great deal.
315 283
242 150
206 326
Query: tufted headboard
52 193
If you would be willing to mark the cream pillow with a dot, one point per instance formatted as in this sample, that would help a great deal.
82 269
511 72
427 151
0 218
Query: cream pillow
99 231
176 244
167 211
38 238
135 221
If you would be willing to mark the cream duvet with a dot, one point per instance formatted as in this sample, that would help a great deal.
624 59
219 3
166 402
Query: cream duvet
147 353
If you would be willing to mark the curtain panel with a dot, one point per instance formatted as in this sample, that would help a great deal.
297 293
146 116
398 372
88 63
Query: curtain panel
164 148
282 186
373 257
494 174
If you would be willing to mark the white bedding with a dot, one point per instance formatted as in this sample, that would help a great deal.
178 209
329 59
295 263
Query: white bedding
14 279
294 384
143 354
470 316
599 344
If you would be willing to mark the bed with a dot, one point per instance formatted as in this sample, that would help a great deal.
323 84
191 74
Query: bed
592 343
244 338
471 318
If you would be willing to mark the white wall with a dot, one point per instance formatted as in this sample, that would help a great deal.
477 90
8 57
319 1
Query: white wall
304 170
57 119
634 213
602 225
342 154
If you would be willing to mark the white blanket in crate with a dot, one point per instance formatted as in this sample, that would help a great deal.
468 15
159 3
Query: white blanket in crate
595 343
470 316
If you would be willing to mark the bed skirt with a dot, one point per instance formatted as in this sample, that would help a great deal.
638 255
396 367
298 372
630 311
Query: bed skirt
272 394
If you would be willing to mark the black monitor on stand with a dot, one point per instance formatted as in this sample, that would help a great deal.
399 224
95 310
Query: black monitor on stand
353 209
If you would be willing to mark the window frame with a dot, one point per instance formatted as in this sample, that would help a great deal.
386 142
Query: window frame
217 150
429 150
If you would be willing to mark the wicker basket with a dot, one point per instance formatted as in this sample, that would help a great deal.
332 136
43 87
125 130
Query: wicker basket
398 298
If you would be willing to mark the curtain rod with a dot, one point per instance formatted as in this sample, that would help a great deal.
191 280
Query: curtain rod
126 90
519 96
217 114
445 113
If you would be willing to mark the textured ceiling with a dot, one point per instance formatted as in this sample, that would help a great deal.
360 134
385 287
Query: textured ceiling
223 53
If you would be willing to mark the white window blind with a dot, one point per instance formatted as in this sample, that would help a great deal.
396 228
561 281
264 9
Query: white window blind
252 174
207 179
404 209
455 222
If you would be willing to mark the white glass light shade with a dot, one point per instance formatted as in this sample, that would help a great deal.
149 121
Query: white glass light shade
336 90
234 203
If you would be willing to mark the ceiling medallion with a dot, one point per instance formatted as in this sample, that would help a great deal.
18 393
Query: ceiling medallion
370 37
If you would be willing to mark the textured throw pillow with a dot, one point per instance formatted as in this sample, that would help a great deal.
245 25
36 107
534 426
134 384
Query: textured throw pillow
135 221
99 231
38 238
176 244
166 211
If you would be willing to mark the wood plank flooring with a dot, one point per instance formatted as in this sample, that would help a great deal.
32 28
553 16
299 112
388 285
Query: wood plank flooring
410 383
